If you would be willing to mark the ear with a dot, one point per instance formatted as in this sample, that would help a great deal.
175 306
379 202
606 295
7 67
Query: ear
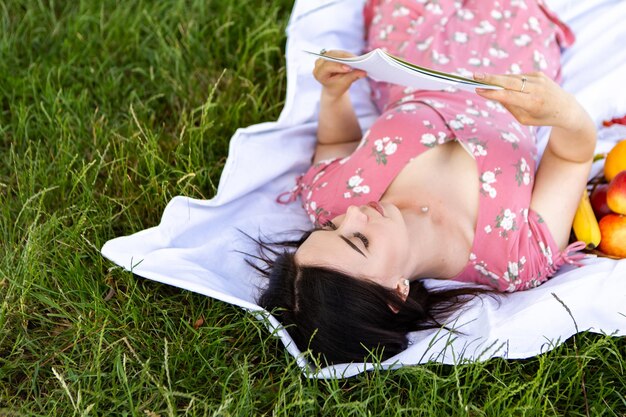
402 289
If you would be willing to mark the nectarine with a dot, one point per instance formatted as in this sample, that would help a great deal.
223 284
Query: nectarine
616 193
613 231
598 201
615 161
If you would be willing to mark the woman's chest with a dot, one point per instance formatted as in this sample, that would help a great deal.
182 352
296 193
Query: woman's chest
443 182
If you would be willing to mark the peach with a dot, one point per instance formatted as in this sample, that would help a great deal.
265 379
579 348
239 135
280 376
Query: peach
615 161
616 194
613 231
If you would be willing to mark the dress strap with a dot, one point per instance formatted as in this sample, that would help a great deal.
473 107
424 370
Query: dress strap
290 196
564 257
576 256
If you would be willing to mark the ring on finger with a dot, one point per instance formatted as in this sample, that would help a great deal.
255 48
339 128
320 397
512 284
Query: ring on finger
323 51
524 79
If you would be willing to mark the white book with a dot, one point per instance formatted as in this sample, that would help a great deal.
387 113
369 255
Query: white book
382 66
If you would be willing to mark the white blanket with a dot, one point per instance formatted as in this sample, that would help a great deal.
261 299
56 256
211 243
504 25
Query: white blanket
195 245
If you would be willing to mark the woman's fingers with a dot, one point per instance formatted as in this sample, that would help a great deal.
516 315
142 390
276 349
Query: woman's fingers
339 76
522 90
339 54
328 70
528 109
325 70
319 62
504 96
533 99
336 77
519 83
322 65
331 66
517 89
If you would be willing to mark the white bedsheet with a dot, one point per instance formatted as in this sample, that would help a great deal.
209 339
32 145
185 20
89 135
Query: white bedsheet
195 245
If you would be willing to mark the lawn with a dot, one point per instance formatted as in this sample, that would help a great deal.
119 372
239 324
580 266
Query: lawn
110 108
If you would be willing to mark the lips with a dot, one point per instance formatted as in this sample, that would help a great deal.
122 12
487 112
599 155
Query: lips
376 206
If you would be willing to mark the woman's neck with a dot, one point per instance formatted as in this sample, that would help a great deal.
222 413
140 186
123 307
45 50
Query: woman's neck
440 247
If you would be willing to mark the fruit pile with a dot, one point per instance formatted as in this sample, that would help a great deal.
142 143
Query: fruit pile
600 220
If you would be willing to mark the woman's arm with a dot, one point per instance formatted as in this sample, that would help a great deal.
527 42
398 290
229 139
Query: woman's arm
566 162
338 129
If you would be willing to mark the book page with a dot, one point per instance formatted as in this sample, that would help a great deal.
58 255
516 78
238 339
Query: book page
381 66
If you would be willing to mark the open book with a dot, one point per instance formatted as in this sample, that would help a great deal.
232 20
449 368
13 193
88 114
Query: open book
381 66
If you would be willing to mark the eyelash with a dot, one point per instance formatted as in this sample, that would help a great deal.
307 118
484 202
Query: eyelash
330 224
358 235
363 239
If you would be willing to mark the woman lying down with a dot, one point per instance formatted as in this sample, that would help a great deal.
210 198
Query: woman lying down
443 185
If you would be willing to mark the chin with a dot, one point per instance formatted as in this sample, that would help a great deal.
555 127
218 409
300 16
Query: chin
392 211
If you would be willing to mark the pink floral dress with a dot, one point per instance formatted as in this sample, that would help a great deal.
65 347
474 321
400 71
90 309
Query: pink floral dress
513 248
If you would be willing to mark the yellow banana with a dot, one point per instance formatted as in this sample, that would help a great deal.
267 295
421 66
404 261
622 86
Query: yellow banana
586 226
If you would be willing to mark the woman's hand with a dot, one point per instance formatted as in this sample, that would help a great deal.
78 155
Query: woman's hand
335 78
537 101
338 130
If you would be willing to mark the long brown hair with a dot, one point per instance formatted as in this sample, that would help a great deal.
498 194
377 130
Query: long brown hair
342 318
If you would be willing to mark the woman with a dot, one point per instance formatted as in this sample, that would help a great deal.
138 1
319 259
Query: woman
443 185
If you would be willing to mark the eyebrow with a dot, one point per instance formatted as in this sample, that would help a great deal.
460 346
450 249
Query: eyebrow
352 245
345 239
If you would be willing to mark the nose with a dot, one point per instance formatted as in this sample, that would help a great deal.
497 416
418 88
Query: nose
355 217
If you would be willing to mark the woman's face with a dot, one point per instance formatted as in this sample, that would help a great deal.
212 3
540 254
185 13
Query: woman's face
369 242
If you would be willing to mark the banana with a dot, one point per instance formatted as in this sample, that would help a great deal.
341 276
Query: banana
586 226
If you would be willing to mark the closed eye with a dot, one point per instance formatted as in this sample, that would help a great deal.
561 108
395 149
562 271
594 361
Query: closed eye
330 225
363 239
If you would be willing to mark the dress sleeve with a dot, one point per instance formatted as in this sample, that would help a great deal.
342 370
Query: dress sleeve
369 10
542 254
564 35
304 182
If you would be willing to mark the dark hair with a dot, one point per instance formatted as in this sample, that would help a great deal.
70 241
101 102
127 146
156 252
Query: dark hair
342 318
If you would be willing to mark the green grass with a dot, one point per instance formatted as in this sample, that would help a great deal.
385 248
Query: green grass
108 109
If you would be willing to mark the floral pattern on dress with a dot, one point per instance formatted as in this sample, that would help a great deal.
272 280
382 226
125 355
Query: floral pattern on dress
511 138
513 271
505 221
384 148
477 147
355 185
512 248
461 121
490 276
316 212
522 173
487 179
